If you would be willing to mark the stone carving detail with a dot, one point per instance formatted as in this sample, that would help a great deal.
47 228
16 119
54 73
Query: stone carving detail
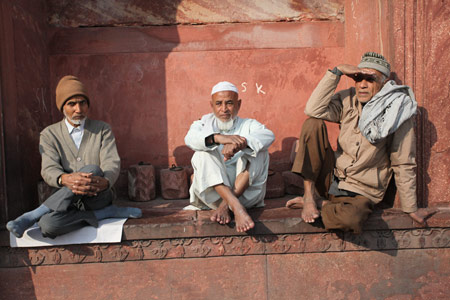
36 257
227 246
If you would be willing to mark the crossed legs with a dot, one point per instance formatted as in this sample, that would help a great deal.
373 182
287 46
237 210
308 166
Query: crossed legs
229 189
58 215
230 199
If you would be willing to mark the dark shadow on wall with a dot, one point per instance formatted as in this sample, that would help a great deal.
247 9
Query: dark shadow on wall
427 137
183 155
282 160
122 59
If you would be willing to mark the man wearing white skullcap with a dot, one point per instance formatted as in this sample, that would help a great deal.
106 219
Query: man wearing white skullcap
231 160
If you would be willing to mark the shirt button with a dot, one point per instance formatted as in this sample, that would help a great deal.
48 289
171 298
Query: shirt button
78 158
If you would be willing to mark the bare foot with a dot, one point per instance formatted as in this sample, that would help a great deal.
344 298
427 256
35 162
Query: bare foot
222 214
310 212
421 215
295 203
298 202
243 221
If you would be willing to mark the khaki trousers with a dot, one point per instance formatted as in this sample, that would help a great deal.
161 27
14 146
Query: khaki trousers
315 161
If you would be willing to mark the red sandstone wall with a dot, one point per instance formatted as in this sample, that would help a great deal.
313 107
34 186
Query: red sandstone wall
419 39
407 274
25 102
151 82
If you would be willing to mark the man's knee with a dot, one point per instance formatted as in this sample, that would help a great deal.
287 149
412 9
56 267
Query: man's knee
313 124
50 227
210 158
94 169
347 216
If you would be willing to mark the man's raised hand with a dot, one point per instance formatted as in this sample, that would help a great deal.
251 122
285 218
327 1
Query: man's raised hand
351 71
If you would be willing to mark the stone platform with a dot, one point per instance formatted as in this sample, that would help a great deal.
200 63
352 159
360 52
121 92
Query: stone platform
176 254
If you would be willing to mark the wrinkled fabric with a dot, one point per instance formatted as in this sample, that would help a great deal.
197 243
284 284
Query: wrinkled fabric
362 167
387 111
210 169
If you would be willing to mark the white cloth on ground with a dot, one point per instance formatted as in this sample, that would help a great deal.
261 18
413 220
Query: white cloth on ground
386 111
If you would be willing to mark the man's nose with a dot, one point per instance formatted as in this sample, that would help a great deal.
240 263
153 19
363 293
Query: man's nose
224 107
78 107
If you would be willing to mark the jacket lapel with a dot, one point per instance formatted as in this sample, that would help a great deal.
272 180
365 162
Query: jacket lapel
67 139
86 135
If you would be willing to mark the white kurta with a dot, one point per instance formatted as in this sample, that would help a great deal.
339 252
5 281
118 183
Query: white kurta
210 168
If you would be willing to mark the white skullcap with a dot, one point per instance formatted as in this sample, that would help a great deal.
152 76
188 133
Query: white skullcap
224 86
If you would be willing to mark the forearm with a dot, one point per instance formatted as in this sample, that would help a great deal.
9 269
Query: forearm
323 103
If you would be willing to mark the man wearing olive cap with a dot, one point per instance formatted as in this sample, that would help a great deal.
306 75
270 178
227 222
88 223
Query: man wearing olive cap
230 161
79 157
376 141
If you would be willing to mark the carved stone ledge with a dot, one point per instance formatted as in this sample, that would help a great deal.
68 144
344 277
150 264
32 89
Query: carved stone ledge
227 246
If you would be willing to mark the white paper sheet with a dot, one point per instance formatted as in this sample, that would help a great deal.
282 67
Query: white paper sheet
108 231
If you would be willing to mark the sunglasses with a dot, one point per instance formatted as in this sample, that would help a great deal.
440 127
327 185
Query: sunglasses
360 77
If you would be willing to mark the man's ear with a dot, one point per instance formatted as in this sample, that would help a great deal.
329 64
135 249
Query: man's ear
239 103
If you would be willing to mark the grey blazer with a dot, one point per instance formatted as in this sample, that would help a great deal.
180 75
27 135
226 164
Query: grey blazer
60 155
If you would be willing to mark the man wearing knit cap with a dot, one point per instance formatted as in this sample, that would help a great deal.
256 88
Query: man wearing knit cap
376 141
79 157
230 161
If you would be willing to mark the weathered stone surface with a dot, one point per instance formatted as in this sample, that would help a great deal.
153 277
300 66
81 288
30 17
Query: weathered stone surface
421 274
198 247
293 183
411 274
199 38
157 279
132 13
174 183
275 185
26 103
141 182
421 60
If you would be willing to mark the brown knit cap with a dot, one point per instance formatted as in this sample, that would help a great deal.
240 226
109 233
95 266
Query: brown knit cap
68 87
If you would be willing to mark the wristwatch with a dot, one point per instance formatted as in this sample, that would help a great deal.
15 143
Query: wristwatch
60 180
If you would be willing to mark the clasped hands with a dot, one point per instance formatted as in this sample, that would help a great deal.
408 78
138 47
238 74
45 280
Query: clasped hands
84 184
231 144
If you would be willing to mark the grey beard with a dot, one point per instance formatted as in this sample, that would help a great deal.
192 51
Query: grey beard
75 122
225 126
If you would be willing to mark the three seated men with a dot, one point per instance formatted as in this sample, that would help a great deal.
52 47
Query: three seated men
231 159
79 157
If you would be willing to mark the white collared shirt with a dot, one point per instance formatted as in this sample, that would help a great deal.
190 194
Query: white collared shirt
76 133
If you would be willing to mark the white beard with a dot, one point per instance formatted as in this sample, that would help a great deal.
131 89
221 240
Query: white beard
75 122
225 126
